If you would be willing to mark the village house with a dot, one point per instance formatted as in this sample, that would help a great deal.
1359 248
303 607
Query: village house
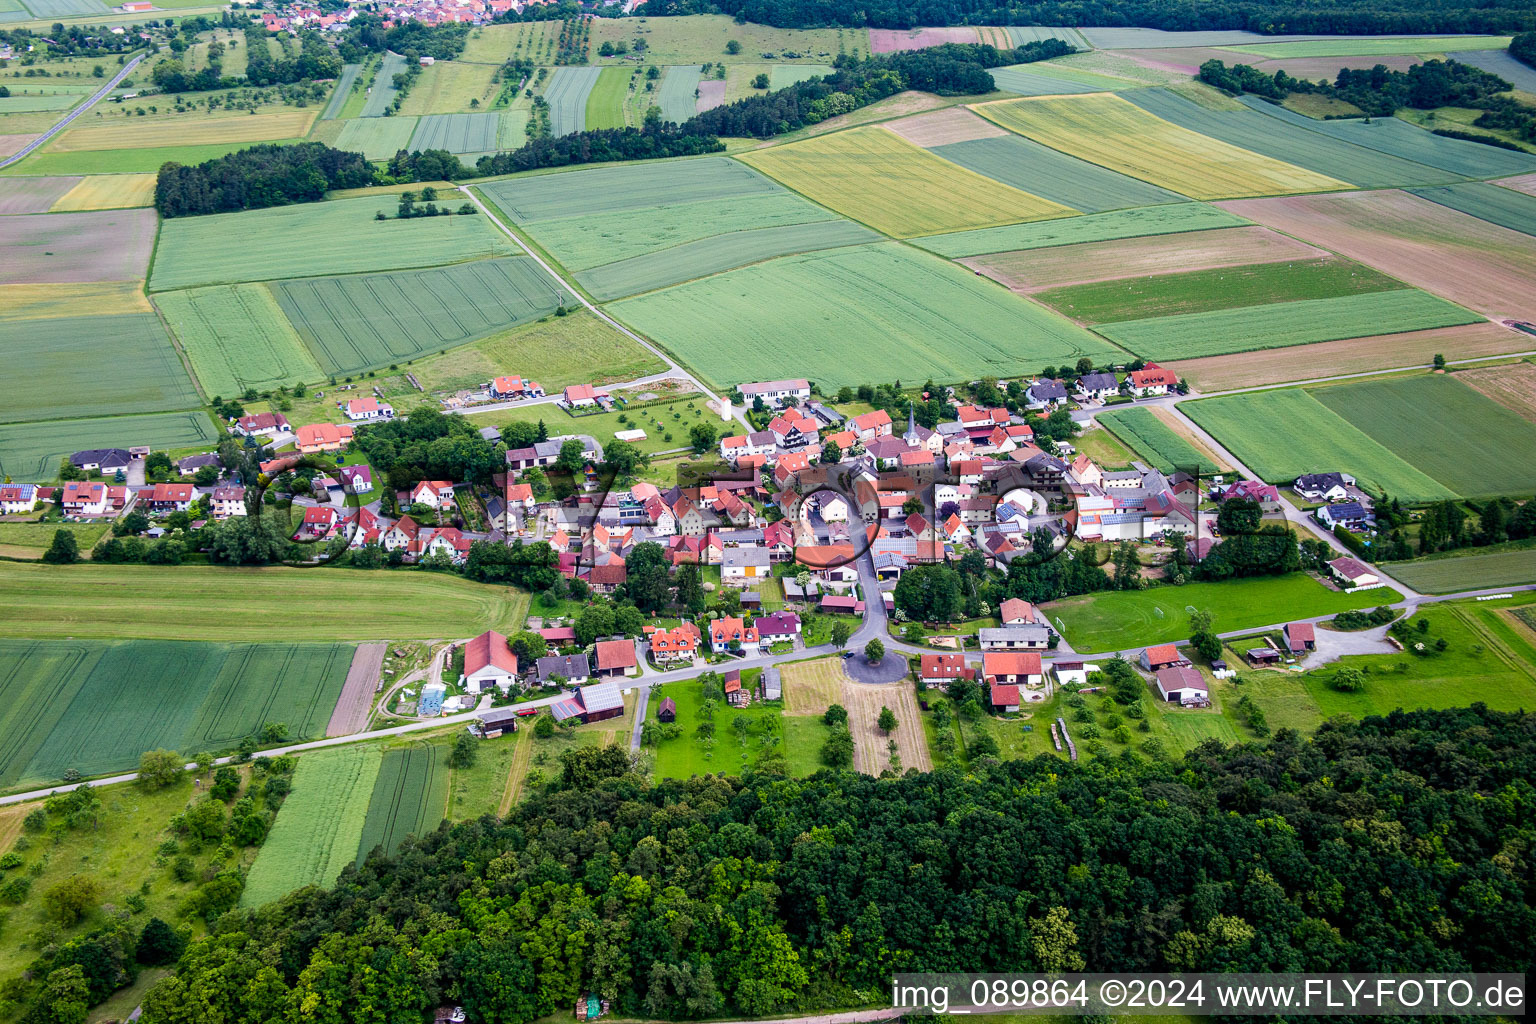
192 463
1027 637
356 479
871 425
1354 574
167 497
402 535
793 431
1184 684
323 437
435 493
739 567
262 424
942 669
1152 380
739 446
488 661
674 647
369 408
776 392
1097 386
562 669
1267 495
1045 395
85 498
726 631
595 702
319 523
16 498
1017 612
103 460
1324 486
777 627
581 396
617 658
362 528
1349 514
508 389
540 454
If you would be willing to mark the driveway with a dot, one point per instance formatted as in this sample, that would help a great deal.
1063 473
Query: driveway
1333 645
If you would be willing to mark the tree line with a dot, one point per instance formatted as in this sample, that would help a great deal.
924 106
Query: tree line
1398 839
258 177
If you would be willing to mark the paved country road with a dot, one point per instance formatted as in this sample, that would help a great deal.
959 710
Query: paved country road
64 122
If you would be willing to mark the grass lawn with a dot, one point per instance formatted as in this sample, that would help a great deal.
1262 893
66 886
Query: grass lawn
1130 618
658 421
197 602
1283 696
30 540
742 735
1104 448
804 736
478 789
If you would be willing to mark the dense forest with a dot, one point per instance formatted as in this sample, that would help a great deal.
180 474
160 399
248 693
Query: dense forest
1398 843
261 176
1380 91
1326 17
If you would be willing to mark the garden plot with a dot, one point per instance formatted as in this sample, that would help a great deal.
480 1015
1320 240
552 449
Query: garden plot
76 247
1483 266
1282 324
1034 269
355 323
237 338
1025 164
1112 132
457 133
99 364
1101 227
896 312
877 177
1284 433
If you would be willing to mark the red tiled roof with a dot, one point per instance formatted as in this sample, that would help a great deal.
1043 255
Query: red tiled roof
1163 653
615 654
489 649
1010 663
943 666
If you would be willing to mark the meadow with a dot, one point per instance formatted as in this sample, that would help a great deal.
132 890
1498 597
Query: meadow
716 254
1283 324
450 86
1112 132
96 706
319 826
108 192
192 602
657 420
1284 433
567 93
734 748
355 323
605 103
617 188
128 161
133 133
693 40
1027 165
31 451
457 133
676 97
877 177
237 337
894 311
1468 569
338 237
1502 206
1175 218
1203 291
584 242
30 540
98 364
1287 139
410 797
377 138
1135 618
1155 441
71 248
1478 448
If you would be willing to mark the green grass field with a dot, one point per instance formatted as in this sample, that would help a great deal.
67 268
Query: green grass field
1127 619
584 242
1356 46
354 323
699 38
457 133
31 451
617 188
716 254
410 797
341 93
451 86
1478 449
1100 227
192 602
605 103
656 420
1465 570
319 826
1154 441
1284 433
237 337
1502 206
1285 324
1204 291
340 237
676 96
99 364
96 706
895 312
1026 164
733 749
377 138
129 161
382 91
30 540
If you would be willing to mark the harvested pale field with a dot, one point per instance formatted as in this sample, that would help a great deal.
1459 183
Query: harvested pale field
51 301
108 192
1480 265
1512 385
810 686
942 127
879 178
1522 183
711 95
356 697
893 40
871 747
10 144
1313 68
1105 129
1035 269
73 248
1353 355
135 134
1179 426
32 195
